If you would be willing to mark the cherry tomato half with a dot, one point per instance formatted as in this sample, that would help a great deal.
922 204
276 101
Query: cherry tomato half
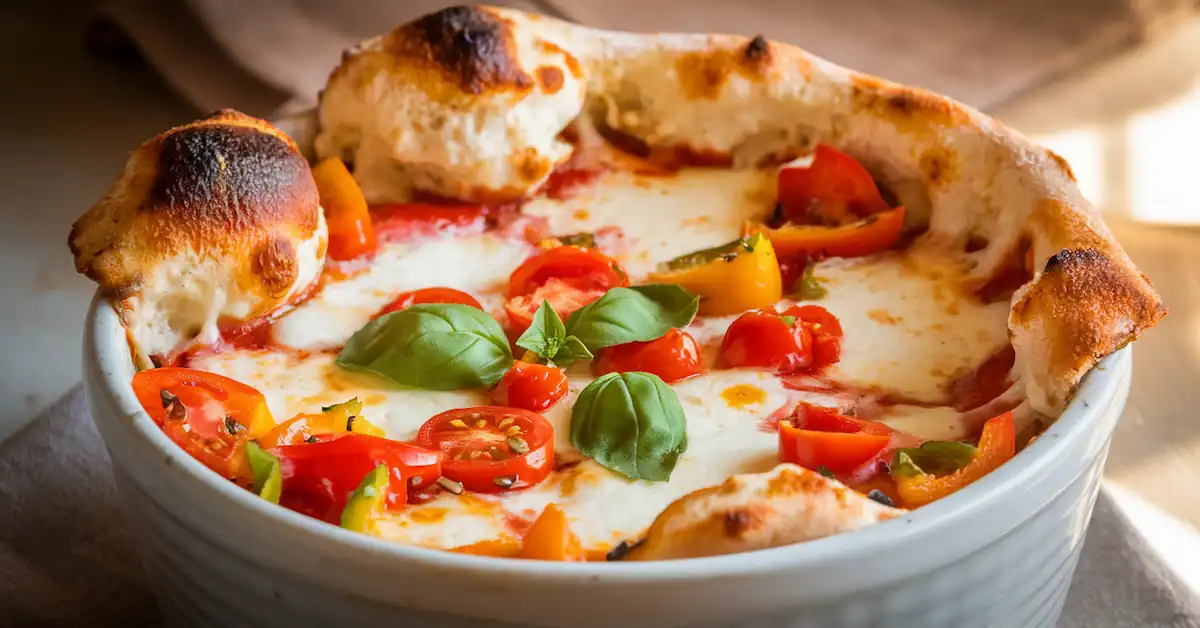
816 437
584 269
826 333
429 295
532 387
319 477
563 297
832 190
491 449
763 338
673 357
206 414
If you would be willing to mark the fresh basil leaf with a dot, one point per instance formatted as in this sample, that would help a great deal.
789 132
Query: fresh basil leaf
635 314
936 456
268 479
572 350
825 471
547 337
807 287
631 423
436 346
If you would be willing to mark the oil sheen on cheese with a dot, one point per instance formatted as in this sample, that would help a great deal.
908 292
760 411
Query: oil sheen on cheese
908 330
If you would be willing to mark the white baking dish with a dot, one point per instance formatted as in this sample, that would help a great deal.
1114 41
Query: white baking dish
998 553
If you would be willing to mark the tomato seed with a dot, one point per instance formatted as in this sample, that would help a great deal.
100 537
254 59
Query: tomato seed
481 423
458 423
513 431
504 481
505 423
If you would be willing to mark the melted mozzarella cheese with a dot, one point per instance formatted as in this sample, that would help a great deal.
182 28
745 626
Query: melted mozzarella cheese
479 265
663 217
908 331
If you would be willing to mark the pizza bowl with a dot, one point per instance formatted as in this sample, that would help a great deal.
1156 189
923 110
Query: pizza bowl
987 250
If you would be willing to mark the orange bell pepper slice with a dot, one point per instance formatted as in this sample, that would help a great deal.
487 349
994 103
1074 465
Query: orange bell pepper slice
872 234
499 548
351 231
550 538
997 445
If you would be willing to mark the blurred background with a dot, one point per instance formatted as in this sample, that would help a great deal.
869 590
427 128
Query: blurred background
1113 85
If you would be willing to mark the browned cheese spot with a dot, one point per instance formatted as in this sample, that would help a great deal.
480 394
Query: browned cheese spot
550 78
276 265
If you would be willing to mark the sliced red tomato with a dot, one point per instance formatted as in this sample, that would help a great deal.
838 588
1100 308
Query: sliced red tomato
826 333
429 295
563 297
319 477
834 187
875 233
673 357
206 414
405 221
532 387
583 269
764 339
816 437
491 449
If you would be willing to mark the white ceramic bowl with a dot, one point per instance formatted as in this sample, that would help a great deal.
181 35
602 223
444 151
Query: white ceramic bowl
999 553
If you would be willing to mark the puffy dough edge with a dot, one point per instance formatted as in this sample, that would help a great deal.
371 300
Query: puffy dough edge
460 103
786 505
217 219
739 100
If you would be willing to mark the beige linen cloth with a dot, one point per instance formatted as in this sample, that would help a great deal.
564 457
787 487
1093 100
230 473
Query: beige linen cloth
66 557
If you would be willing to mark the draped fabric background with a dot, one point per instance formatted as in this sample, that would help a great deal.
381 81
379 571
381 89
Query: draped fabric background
981 52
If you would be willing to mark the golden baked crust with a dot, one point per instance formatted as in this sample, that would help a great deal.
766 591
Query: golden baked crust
218 218
786 505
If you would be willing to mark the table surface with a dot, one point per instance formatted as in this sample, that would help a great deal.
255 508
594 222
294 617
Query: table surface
67 139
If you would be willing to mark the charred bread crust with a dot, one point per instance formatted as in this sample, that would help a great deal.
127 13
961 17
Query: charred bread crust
786 505
460 103
219 216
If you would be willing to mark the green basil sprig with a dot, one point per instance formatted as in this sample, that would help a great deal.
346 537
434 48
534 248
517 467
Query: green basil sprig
547 337
631 423
435 346
938 457
268 479
635 314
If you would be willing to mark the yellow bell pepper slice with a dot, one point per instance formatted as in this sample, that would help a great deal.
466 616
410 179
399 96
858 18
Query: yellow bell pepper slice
742 275
367 502
268 478
342 417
